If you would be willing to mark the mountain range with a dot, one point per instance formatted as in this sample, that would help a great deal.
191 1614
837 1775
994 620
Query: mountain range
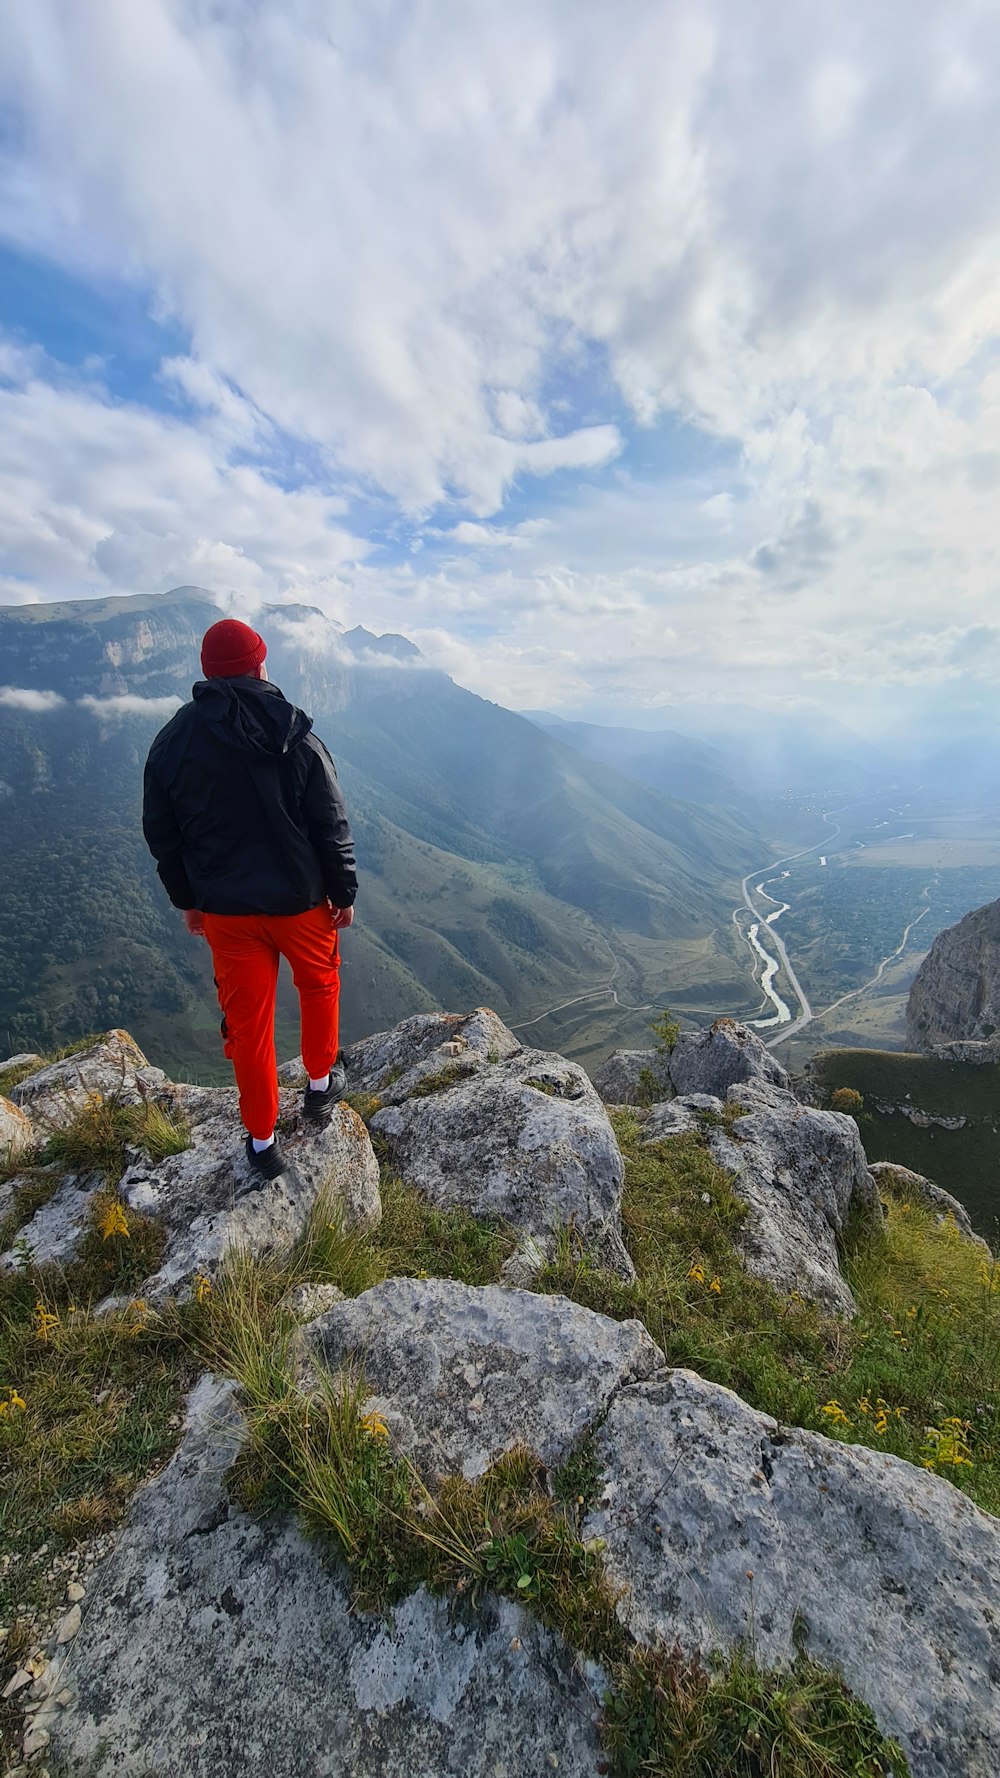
498 862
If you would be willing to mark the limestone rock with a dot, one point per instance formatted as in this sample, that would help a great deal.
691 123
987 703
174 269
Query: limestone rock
210 1203
679 1117
112 1068
956 991
618 1079
371 1062
726 1054
526 1140
21 1060
975 1053
887 1572
54 1232
462 1374
802 1173
902 1183
221 1644
17 1134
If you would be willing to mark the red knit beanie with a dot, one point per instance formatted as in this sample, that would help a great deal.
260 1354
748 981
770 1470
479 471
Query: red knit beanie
230 648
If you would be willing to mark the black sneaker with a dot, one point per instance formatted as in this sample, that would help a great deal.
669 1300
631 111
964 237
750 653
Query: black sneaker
268 1164
317 1107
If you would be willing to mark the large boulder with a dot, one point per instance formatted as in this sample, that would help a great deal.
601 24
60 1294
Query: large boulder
222 1644
722 1527
804 1176
210 1203
902 1183
462 1375
525 1139
378 1062
113 1067
17 1133
726 1054
634 1077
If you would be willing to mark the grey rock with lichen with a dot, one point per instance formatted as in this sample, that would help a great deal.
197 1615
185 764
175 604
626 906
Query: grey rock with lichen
803 1176
210 1204
113 1067
477 1035
725 1055
206 1199
903 1183
222 1644
680 1117
463 1374
17 1132
54 1233
634 1077
526 1140
721 1527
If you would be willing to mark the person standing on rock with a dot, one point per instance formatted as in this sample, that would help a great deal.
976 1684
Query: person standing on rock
243 813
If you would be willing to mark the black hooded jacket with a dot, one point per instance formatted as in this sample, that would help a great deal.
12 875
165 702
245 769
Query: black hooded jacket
241 806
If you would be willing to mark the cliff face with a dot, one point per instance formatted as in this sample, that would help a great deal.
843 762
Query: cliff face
956 994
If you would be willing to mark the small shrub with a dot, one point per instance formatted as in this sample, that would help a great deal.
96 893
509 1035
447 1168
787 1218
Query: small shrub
847 1099
666 1030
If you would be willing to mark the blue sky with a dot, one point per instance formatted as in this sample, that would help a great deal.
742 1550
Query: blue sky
622 358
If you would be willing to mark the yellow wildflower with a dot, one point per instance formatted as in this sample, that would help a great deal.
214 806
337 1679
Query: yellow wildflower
202 1288
881 1422
947 1445
835 1413
114 1221
716 1286
374 1425
696 1272
45 1321
15 1404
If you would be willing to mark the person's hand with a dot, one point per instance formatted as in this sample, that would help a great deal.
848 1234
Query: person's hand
342 916
194 922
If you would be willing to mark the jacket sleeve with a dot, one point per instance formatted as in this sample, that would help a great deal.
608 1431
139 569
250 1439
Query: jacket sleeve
163 837
327 826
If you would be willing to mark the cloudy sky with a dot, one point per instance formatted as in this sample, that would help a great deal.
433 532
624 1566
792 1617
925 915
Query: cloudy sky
619 356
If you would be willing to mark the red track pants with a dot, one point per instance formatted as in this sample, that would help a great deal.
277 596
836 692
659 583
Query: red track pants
245 950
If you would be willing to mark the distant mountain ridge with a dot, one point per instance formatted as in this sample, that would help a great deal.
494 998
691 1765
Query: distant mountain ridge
497 863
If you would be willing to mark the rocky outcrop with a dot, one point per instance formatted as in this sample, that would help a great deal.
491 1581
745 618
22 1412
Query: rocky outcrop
801 1173
462 1375
525 1140
206 1199
725 1055
113 1067
915 1189
976 1053
709 1061
722 1527
223 1644
17 1134
634 1077
424 1044
956 992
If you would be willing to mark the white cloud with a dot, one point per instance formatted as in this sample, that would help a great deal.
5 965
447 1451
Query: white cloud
448 249
121 704
15 697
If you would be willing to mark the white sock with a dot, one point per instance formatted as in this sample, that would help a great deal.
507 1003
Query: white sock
319 1086
259 1146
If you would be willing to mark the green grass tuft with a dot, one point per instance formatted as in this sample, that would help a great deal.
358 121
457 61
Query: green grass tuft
100 1135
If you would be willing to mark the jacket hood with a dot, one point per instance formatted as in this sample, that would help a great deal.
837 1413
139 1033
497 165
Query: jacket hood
252 714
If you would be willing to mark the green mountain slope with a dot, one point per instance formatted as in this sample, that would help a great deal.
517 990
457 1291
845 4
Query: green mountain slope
497 864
